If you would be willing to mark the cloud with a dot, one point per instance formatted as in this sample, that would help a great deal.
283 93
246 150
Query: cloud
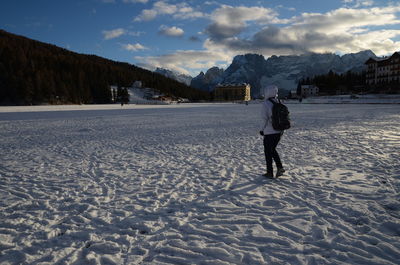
228 21
182 61
134 47
239 30
115 33
209 3
136 1
112 34
147 15
178 11
126 1
170 31
228 14
344 19
358 3
343 29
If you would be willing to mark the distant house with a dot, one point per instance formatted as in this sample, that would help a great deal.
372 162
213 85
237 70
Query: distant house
309 90
232 92
383 71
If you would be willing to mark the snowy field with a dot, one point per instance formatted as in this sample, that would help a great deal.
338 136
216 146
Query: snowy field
355 99
183 184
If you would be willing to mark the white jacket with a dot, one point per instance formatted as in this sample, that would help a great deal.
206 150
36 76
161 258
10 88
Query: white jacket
266 110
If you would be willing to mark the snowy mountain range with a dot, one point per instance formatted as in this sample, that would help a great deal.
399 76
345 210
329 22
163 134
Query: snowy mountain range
283 71
185 79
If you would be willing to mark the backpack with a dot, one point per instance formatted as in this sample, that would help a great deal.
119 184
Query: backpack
280 116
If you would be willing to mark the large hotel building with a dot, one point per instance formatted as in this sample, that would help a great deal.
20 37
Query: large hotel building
232 92
383 71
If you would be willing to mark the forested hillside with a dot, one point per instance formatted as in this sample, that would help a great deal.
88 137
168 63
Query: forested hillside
333 83
32 72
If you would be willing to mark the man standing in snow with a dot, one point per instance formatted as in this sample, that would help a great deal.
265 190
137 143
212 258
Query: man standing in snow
271 136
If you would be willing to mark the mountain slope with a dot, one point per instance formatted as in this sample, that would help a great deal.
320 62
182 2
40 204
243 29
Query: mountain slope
185 79
33 72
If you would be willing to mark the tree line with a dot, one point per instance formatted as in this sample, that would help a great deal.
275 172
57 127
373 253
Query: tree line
333 83
33 72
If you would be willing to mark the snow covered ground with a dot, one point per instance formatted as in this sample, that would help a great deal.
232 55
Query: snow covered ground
353 99
182 184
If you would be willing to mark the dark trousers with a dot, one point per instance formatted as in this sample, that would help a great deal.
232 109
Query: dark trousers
270 143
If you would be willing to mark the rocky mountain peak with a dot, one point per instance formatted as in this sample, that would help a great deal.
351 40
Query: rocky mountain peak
283 71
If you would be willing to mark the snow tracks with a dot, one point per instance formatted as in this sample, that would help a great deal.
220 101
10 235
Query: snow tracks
184 186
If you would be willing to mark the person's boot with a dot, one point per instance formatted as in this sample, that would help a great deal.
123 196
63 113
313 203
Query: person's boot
269 175
279 172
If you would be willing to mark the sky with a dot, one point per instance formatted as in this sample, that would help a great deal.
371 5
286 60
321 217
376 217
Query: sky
192 36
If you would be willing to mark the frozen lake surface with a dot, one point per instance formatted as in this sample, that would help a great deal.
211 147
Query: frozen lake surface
183 185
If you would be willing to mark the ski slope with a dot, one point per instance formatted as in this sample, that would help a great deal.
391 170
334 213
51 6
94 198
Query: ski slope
182 184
